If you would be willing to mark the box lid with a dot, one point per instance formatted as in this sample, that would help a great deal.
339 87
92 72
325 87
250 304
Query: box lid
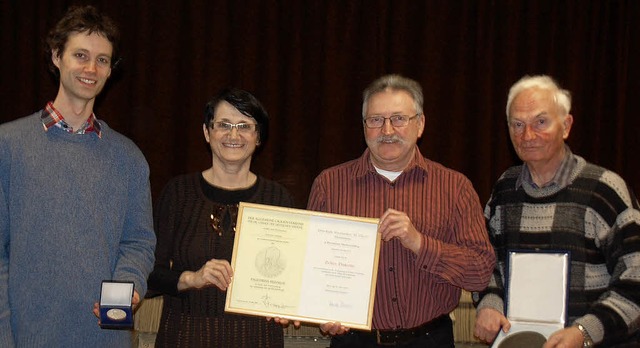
116 293
537 283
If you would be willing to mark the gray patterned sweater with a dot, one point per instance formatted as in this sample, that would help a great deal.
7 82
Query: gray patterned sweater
597 218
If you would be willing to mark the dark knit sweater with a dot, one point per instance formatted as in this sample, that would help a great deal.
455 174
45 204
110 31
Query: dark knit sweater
597 218
186 241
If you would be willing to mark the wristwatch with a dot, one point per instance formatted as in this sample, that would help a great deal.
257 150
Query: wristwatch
586 338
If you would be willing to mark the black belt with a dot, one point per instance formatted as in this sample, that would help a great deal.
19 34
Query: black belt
403 336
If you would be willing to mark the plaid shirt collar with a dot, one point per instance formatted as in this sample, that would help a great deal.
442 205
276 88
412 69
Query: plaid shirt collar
562 178
51 117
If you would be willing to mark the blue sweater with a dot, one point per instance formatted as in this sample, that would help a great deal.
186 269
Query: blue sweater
74 210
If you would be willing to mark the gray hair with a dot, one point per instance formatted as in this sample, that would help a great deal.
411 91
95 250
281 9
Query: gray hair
394 83
561 97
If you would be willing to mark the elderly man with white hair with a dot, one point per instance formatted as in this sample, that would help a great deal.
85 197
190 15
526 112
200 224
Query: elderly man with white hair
557 200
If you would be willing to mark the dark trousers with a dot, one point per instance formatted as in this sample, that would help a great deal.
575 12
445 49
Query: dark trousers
439 337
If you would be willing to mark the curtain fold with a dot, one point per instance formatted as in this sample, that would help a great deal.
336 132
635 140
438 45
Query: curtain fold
308 62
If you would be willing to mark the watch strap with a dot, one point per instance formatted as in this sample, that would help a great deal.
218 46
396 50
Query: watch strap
586 338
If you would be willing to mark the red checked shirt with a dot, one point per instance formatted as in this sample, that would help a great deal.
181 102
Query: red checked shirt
52 117
455 253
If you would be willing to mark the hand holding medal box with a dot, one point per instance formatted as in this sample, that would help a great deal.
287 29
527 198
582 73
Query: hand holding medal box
116 311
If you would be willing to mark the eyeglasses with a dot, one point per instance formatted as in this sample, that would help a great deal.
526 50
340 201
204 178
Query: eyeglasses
395 120
244 128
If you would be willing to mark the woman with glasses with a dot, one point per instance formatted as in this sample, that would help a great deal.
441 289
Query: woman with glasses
195 222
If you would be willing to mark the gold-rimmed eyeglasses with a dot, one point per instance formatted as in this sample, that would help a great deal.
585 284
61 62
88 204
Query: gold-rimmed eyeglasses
397 120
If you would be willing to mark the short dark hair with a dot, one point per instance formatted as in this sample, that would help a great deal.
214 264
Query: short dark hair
245 102
81 19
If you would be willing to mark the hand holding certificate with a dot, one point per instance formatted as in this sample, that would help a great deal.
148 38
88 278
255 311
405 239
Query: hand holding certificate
303 265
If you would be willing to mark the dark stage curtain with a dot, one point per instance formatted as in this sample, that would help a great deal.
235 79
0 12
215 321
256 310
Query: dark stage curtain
308 62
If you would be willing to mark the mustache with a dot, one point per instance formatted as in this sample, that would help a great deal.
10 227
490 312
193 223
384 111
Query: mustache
389 139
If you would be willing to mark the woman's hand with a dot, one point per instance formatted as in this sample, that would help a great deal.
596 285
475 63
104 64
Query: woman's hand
215 272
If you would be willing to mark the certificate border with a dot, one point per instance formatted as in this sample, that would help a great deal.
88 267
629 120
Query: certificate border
248 311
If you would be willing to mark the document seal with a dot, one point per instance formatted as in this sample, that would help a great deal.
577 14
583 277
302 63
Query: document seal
270 262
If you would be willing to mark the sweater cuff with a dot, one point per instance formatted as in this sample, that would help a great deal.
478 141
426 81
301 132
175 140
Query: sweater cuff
594 327
492 301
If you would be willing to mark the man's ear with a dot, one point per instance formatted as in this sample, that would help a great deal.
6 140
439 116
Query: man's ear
421 122
566 126
55 58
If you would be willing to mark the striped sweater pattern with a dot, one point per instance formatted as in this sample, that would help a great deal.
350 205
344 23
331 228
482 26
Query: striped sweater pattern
597 219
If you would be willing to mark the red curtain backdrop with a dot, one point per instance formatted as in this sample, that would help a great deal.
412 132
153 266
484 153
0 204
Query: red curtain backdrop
308 62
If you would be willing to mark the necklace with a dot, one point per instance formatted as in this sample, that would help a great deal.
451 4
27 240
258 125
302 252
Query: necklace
223 217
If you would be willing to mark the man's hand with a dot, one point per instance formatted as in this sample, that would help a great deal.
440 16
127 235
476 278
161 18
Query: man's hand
135 300
284 322
333 329
569 337
488 323
396 224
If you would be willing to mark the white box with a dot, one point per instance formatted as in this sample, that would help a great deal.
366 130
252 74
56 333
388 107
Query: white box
536 292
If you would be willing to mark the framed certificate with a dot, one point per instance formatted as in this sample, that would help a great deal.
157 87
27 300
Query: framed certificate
304 265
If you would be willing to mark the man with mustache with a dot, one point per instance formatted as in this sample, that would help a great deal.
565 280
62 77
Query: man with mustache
435 240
